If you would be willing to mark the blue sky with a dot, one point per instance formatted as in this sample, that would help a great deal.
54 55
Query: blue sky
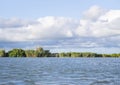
39 8
61 25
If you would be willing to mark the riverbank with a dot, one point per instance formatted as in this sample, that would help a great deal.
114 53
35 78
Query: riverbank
40 52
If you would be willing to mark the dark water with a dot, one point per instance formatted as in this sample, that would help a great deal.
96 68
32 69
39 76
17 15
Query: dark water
59 71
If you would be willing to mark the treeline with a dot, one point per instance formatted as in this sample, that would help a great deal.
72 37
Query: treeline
85 54
40 52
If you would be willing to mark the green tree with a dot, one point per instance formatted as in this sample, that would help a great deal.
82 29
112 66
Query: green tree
74 54
30 53
115 55
47 53
39 52
54 54
62 54
16 53
2 53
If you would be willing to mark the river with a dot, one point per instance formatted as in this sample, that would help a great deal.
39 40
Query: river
59 71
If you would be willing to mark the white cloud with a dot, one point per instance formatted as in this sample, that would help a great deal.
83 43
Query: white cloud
111 15
106 23
15 22
98 27
46 28
53 27
93 13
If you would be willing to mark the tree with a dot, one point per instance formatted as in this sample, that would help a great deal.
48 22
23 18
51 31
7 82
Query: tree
62 54
2 53
54 54
39 52
47 53
16 53
30 53
115 55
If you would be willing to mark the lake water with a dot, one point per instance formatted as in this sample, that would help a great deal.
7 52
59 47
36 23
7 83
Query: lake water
59 71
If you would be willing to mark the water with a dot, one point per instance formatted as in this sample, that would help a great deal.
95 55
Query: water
59 71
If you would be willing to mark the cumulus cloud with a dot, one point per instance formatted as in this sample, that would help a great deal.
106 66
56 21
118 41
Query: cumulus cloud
54 27
106 23
45 28
15 22
97 28
93 13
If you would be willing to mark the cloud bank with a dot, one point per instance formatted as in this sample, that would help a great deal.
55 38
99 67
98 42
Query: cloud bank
97 28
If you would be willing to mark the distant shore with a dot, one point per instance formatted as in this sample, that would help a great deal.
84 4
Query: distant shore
40 52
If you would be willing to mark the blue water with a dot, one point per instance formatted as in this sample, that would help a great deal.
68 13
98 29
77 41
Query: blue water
59 71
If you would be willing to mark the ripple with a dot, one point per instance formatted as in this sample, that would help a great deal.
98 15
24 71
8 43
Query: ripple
13 83
53 71
101 82
19 82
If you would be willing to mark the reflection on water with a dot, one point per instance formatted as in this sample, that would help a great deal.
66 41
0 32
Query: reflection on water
59 71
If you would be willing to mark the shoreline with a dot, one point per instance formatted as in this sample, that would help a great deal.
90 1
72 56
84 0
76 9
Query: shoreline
40 52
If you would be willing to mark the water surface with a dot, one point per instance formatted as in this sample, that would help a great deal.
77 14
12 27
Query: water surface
59 71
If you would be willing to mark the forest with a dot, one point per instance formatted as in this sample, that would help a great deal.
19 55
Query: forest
40 52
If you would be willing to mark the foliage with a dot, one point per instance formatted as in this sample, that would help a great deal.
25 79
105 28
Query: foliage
40 52
2 53
16 53
30 53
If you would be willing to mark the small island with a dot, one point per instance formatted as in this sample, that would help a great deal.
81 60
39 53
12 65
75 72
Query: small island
40 52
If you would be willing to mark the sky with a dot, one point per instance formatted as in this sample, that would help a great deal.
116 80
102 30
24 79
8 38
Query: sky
61 25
